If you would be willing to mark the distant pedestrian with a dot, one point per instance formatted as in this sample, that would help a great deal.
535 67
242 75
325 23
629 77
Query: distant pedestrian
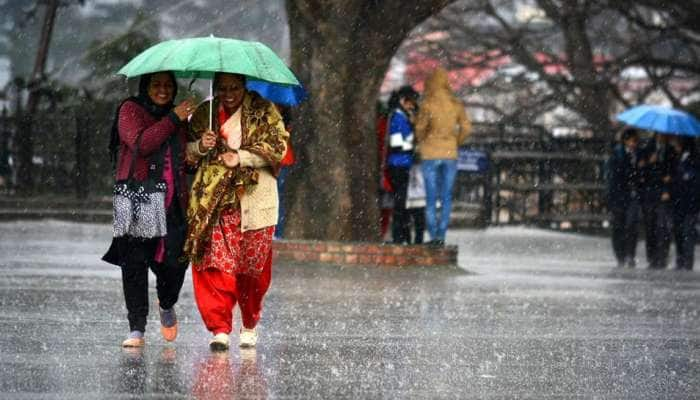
149 135
686 200
233 206
287 161
623 198
442 125
656 165
400 158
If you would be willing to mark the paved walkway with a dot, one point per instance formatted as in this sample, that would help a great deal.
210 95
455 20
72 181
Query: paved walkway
530 314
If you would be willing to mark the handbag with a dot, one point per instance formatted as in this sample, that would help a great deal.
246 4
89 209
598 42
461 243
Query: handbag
415 195
139 206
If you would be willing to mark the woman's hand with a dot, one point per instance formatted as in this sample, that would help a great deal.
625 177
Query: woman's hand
184 109
230 159
208 141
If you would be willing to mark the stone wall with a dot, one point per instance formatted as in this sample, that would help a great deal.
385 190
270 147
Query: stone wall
348 253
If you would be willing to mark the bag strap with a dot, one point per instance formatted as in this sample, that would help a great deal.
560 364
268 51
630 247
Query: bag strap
175 160
134 154
155 163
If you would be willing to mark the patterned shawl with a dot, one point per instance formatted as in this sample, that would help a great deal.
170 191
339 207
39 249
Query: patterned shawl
216 186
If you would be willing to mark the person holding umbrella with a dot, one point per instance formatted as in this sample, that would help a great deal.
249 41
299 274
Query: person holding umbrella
233 206
237 141
150 127
682 128
656 166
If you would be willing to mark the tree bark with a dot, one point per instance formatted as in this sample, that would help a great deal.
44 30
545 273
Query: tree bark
593 97
341 51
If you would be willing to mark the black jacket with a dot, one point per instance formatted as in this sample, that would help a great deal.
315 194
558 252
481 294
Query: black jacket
685 192
652 174
623 178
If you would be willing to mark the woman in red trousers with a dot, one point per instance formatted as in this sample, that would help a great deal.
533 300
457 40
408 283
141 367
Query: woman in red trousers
233 206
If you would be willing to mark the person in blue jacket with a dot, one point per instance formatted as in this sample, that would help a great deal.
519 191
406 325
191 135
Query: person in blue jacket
685 198
400 158
623 198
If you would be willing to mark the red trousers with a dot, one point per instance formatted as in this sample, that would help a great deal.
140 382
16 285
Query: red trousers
216 293
236 268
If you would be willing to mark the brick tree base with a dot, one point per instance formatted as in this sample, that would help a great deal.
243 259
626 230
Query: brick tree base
348 253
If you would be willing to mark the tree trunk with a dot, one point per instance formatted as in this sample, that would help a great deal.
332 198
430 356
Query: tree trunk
25 141
593 97
341 52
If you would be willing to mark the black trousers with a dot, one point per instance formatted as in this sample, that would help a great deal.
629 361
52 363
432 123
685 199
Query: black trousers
685 237
657 227
418 217
625 231
169 280
400 225
170 274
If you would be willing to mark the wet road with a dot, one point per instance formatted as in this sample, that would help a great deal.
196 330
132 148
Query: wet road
530 314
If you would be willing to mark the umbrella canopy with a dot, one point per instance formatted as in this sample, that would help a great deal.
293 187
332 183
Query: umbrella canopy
288 95
661 119
203 56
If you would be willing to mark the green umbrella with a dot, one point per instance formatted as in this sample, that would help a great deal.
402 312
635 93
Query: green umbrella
203 56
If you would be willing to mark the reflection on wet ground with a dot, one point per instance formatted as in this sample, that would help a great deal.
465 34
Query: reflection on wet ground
537 315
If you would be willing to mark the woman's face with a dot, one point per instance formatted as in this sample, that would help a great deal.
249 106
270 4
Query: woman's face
161 89
230 90
407 104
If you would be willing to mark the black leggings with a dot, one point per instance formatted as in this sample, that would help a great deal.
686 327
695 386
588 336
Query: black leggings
169 280
400 228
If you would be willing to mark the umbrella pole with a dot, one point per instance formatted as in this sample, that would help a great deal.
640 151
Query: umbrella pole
211 102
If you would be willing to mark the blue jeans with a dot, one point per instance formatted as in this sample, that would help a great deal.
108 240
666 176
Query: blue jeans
439 176
279 229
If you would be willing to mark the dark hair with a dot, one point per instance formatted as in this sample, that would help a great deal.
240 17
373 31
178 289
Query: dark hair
145 81
217 76
629 133
407 92
404 92
393 101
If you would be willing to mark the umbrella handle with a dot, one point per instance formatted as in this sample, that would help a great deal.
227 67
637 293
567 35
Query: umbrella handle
211 102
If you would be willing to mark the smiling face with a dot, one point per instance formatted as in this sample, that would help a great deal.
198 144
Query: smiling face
230 89
408 104
161 89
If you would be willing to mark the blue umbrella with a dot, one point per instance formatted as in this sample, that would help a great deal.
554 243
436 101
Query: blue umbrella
661 119
289 95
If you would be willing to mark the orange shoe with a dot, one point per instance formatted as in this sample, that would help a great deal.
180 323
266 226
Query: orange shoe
169 333
168 324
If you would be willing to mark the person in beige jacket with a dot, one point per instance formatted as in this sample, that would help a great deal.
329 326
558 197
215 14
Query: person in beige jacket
233 206
442 125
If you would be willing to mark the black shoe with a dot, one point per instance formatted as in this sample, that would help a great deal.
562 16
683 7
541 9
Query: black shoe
437 243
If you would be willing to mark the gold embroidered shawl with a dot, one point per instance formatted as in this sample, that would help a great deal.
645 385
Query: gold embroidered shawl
216 186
